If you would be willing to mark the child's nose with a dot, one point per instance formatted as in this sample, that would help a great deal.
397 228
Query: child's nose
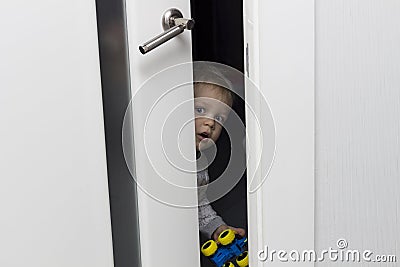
209 122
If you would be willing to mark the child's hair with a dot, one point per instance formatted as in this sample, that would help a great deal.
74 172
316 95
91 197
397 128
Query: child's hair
224 92
205 73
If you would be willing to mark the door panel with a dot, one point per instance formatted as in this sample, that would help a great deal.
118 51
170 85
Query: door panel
53 177
168 232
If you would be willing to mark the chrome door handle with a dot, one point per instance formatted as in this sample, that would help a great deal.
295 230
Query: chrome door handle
173 24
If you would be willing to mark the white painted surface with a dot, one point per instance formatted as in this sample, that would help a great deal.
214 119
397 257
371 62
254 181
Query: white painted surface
168 234
53 179
358 126
281 46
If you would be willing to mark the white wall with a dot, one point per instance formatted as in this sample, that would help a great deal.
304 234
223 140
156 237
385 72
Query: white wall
358 126
53 179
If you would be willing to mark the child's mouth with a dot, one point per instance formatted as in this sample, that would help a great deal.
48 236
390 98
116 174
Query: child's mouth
204 135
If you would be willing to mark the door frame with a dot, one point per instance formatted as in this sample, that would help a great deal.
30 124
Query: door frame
281 212
279 57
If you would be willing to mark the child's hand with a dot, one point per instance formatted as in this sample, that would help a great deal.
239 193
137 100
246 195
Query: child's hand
223 227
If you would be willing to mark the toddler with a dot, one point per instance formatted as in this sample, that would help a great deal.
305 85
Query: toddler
212 105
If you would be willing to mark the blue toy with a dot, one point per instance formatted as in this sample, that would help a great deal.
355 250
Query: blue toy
232 247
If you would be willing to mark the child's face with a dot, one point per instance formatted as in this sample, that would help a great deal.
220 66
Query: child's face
211 109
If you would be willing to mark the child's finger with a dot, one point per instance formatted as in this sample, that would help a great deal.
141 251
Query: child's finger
215 237
240 231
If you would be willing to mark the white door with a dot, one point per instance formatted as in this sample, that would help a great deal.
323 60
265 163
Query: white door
53 177
162 109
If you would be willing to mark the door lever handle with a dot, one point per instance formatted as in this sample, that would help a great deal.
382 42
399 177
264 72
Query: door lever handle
173 24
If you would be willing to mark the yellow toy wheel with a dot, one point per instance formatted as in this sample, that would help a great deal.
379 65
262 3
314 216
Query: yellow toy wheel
226 237
228 264
243 259
209 248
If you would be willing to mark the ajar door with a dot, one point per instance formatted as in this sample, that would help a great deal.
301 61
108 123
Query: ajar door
161 118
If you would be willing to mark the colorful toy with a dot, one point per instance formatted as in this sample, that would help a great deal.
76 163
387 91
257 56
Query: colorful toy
232 248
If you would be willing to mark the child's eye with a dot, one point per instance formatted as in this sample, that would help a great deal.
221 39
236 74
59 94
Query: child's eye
219 119
200 110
